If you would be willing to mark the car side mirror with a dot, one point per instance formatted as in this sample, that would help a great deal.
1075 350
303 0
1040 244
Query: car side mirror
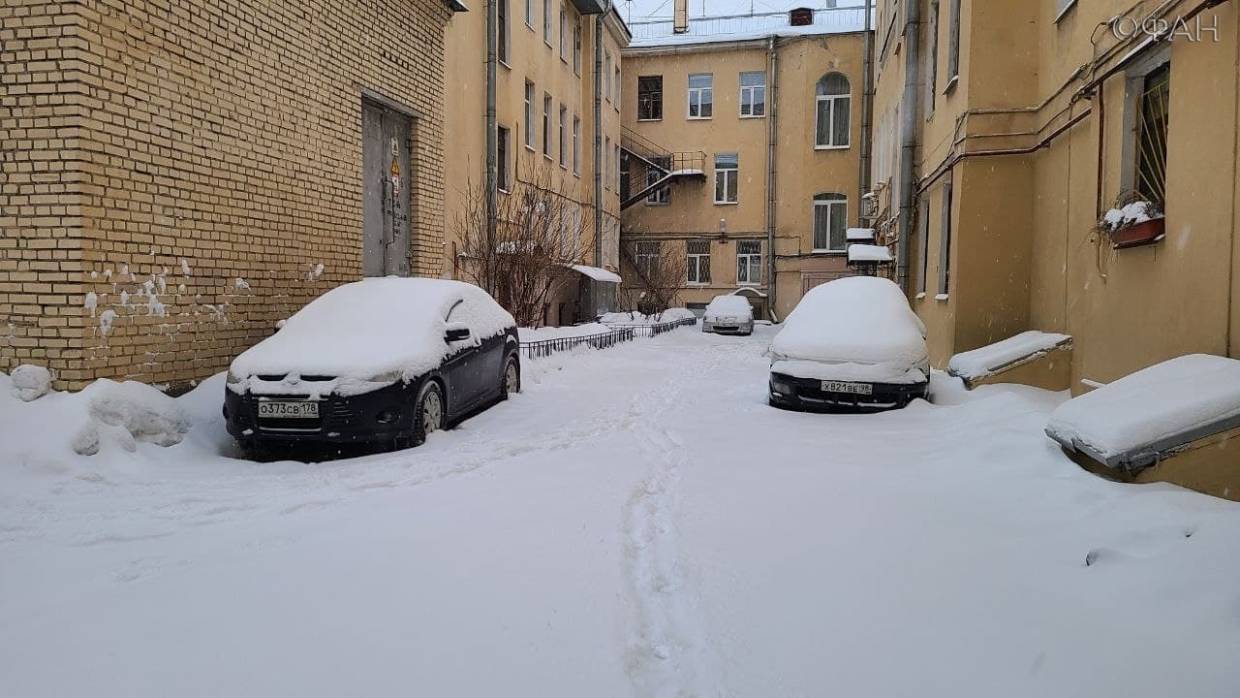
456 333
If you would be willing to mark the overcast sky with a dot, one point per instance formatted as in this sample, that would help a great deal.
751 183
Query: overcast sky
641 10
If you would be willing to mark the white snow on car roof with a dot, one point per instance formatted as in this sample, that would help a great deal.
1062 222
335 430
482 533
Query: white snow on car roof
983 361
375 326
1169 403
730 305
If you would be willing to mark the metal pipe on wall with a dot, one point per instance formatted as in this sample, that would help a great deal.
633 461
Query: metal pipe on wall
598 136
867 108
908 136
492 137
772 141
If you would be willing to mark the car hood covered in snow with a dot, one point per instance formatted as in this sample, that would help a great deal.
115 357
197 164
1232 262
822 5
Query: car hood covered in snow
737 307
377 326
861 326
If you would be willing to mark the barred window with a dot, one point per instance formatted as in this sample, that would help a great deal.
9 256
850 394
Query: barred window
699 261
748 262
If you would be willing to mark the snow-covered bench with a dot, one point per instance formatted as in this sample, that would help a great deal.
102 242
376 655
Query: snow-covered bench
1175 421
1033 358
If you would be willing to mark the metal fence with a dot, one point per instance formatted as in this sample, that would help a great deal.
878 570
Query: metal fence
600 340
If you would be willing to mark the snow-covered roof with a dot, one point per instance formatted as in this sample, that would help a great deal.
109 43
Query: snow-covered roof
744 27
597 274
869 253
1021 348
857 319
1130 422
859 234
372 327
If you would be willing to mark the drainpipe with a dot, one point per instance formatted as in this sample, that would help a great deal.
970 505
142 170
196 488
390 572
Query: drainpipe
867 110
908 137
772 131
492 173
598 136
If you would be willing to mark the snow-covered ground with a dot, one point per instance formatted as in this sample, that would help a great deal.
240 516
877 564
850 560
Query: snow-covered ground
637 522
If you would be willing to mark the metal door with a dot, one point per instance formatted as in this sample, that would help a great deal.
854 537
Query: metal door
386 179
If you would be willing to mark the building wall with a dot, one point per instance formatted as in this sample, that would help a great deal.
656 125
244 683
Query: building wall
801 170
535 56
196 166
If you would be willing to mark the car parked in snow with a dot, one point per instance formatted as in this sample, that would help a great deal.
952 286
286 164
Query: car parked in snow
850 344
384 360
728 314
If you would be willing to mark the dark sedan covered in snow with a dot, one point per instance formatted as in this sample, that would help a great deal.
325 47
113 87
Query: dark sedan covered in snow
383 361
850 344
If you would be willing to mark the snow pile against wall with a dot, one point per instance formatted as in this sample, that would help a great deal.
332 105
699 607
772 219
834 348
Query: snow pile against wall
1165 405
377 326
635 318
1026 346
729 306
31 382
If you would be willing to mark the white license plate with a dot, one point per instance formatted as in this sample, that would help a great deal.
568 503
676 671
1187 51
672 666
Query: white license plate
847 388
273 409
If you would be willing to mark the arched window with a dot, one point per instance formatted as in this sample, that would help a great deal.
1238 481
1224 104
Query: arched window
830 222
834 111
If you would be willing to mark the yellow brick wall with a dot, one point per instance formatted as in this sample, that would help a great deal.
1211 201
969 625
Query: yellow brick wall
192 164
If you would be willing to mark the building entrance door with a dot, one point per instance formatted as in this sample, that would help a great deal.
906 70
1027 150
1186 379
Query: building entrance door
386 179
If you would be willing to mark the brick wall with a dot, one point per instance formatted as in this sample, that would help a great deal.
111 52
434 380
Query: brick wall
196 166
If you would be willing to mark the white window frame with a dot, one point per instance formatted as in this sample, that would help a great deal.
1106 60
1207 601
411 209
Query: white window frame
842 203
529 14
923 245
576 145
651 101
755 92
696 262
606 161
547 22
616 87
531 135
546 125
727 175
563 34
945 242
563 136
747 261
646 255
831 101
577 47
953 47
695 95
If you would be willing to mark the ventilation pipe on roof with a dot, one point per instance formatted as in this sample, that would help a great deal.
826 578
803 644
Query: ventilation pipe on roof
680 22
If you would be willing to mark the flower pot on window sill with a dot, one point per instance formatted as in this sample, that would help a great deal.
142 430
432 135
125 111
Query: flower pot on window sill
1138 234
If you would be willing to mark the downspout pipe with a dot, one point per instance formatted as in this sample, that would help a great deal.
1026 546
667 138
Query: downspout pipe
492 138
772 140
908 137
867 109
598 135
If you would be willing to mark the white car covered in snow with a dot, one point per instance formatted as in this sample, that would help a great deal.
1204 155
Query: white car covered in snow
383 360
730 314
850 344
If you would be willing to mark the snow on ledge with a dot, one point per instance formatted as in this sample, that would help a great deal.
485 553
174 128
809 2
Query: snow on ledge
1013 351
859 234
1134 421
869 253
596 273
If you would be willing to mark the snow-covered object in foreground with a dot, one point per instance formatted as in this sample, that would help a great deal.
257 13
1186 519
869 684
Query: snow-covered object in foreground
30 382
869 253
1131 422
858 328
370 333
1022 348
147 414
731 307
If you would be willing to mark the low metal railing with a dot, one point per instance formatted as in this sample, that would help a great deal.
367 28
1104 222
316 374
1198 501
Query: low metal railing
660 327
600 340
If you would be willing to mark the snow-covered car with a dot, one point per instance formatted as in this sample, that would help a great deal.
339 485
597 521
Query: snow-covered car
385 360
728 314
850 344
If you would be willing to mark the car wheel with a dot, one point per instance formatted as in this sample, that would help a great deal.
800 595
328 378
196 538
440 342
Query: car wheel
511 381
429 412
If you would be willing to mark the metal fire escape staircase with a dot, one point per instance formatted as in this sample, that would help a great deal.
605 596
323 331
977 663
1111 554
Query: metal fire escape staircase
645 157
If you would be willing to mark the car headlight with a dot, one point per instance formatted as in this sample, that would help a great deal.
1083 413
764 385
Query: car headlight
388 377
233 379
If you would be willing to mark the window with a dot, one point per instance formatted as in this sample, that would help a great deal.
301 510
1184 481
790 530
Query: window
546 129
662 195
529 115
701 95
577 46
932 57
547 21
625 183
834 105
576 145
924 243
945 242
529 13
753 94
699 261
606 162
563 136
607 77
650 98
615 87
615 170
646 257
830 222
501 45
1153 120
953 46
563 35
501 157
749 262
726 171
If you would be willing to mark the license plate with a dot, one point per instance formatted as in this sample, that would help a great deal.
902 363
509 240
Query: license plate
271 409
847 388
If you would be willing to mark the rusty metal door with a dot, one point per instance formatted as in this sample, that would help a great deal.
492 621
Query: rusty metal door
386 173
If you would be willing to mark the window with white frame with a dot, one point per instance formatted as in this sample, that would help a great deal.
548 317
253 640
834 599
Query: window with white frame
501 157
923 245
753 94
577 46
606 164
1153 119
546 125
646 256
749 262
650 98
529 13
932 58
834 111
945 242
501 46
563 136
701 95
607 77
698 252
615 88
727 171
662 195
564 34
576 145
547 21
529 116
830 222
953 44
615 170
